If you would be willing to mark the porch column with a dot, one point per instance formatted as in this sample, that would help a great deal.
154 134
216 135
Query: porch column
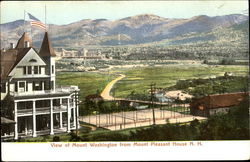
68 116
61 121
51 118
34 118
77 109
15 118
74 113
26 126
43 85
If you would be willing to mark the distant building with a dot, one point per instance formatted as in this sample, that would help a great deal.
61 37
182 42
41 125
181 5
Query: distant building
31 104
84 52
177 94
69 53
91 54
213 104
227 74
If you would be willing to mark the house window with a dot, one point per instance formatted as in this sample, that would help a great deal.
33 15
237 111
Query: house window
21 84
32 60
37 86
53 69
24 70
35 69
3 87
52 85
29 70
15 86
47 85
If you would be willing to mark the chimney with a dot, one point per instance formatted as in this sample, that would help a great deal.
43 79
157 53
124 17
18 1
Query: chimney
27 44
12 45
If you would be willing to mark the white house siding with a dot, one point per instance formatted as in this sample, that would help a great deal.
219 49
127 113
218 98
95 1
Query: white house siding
52 75
18 71
3 95
30 87
219 110
42 70
12 87
31 54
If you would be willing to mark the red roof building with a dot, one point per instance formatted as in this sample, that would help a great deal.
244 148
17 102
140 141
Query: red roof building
213 104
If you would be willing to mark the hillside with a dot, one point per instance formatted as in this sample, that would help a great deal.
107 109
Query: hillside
130 30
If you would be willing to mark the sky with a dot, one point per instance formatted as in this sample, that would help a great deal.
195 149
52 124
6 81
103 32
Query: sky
65 12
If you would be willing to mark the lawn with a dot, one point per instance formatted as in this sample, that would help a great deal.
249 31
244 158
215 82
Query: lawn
138 79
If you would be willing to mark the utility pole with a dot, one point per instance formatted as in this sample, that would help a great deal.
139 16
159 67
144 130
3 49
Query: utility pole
152 91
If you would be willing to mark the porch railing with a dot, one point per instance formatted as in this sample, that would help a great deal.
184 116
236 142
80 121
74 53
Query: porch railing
58 90
44 109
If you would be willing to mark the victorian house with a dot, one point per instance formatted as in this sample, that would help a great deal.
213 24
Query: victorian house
31 102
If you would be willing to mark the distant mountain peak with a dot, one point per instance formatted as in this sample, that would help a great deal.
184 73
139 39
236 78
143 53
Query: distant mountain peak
200 17
143 17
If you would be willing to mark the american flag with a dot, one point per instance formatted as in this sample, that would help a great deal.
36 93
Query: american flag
36 22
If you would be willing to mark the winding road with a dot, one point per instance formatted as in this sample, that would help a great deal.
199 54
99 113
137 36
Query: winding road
106 92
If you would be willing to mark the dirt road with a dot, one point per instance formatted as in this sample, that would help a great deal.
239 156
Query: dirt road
106 92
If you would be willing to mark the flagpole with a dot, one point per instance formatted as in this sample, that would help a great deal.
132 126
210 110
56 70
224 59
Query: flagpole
24 21
31 32
45 18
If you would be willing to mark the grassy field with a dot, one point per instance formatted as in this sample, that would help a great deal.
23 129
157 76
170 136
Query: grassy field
138 79
88 82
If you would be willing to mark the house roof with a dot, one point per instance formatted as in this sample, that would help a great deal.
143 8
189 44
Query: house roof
220 100
10 58
46 48
22 40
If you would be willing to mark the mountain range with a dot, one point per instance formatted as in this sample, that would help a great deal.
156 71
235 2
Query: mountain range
139 29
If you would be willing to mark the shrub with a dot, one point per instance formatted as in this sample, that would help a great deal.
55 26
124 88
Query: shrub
56 139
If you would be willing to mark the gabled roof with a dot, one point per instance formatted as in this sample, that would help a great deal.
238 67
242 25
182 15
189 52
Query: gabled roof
21 54
7 62
220 100
22 40
10 58
46 49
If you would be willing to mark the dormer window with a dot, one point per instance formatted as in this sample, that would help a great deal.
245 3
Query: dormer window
32 60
